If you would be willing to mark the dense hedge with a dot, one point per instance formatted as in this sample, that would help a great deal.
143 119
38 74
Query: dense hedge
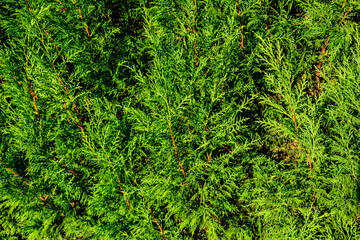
185 119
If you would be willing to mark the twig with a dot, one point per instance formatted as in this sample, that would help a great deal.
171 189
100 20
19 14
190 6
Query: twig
313 199
80 126
345 15
161 230
27 4
176 153
242 29
354 176
317 77
307 155
77 111
319 66
194 31
344 4
208 160
32 94
103 14
127 200
15 174
173 140
293 118
86 28
3 63
44 199
297 131
69 170
266 25
34 97
188 123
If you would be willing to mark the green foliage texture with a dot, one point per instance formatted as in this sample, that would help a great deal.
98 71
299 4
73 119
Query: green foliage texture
186 119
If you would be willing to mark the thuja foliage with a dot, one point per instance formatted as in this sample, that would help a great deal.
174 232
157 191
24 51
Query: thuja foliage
187 119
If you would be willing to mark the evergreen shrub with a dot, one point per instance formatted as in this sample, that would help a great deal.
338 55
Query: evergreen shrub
185 119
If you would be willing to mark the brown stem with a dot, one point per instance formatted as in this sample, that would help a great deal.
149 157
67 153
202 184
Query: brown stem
69 170
54 43
293 118
307 155
208 160
188 123
266 25
222 87
345 15
227 149
86 28
44 199
317 77
297 131
173 139
80 126
161 230
242 29
127 200
3 63
194 31
27 4
103 14
313 199
355 176
176 152
344 4
216 220
77 111
15 174
34 97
